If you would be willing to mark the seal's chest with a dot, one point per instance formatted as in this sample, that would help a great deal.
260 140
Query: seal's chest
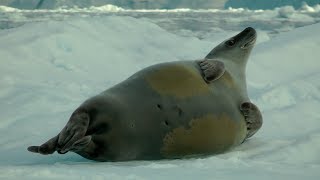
177 80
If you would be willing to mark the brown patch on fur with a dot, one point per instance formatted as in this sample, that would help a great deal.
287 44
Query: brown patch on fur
178 81
208 134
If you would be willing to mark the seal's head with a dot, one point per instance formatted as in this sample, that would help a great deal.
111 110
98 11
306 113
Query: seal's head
236 48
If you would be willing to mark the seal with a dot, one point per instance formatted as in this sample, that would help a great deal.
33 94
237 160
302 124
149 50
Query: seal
168 110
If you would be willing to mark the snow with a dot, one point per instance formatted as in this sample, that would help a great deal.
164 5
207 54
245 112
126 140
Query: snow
130 4
113 8
160 4
270 4
48 68
207 24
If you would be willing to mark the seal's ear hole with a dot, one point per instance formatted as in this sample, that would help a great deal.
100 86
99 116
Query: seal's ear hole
159 106
166 123
180 112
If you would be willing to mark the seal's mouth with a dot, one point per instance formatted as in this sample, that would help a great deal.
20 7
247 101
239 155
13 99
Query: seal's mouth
249 43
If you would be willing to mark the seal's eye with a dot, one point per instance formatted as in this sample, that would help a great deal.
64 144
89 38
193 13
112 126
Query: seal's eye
230 43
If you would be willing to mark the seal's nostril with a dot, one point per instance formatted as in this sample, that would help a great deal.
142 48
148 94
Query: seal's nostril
248 29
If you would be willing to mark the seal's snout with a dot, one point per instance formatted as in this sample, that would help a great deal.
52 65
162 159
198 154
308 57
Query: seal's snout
250 36
249 30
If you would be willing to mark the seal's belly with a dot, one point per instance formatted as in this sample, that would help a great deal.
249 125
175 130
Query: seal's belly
206 135
182 114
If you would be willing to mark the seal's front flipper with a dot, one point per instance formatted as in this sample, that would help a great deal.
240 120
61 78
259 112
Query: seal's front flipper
211 69
252 117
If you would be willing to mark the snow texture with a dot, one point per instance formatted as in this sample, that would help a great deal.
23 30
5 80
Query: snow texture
157 4
206 24
131 4
48 68
268 4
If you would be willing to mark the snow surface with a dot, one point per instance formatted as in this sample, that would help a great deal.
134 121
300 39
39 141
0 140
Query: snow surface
268 4
131 4
207 24
48 68
157 4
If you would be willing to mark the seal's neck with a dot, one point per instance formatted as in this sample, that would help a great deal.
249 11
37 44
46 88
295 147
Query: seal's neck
238 73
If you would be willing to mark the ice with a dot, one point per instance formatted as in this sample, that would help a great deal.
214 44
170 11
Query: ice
48 68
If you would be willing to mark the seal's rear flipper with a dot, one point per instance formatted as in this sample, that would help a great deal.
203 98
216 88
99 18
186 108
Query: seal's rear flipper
46 148
71 136
74 131
211 69
81 144
252 117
